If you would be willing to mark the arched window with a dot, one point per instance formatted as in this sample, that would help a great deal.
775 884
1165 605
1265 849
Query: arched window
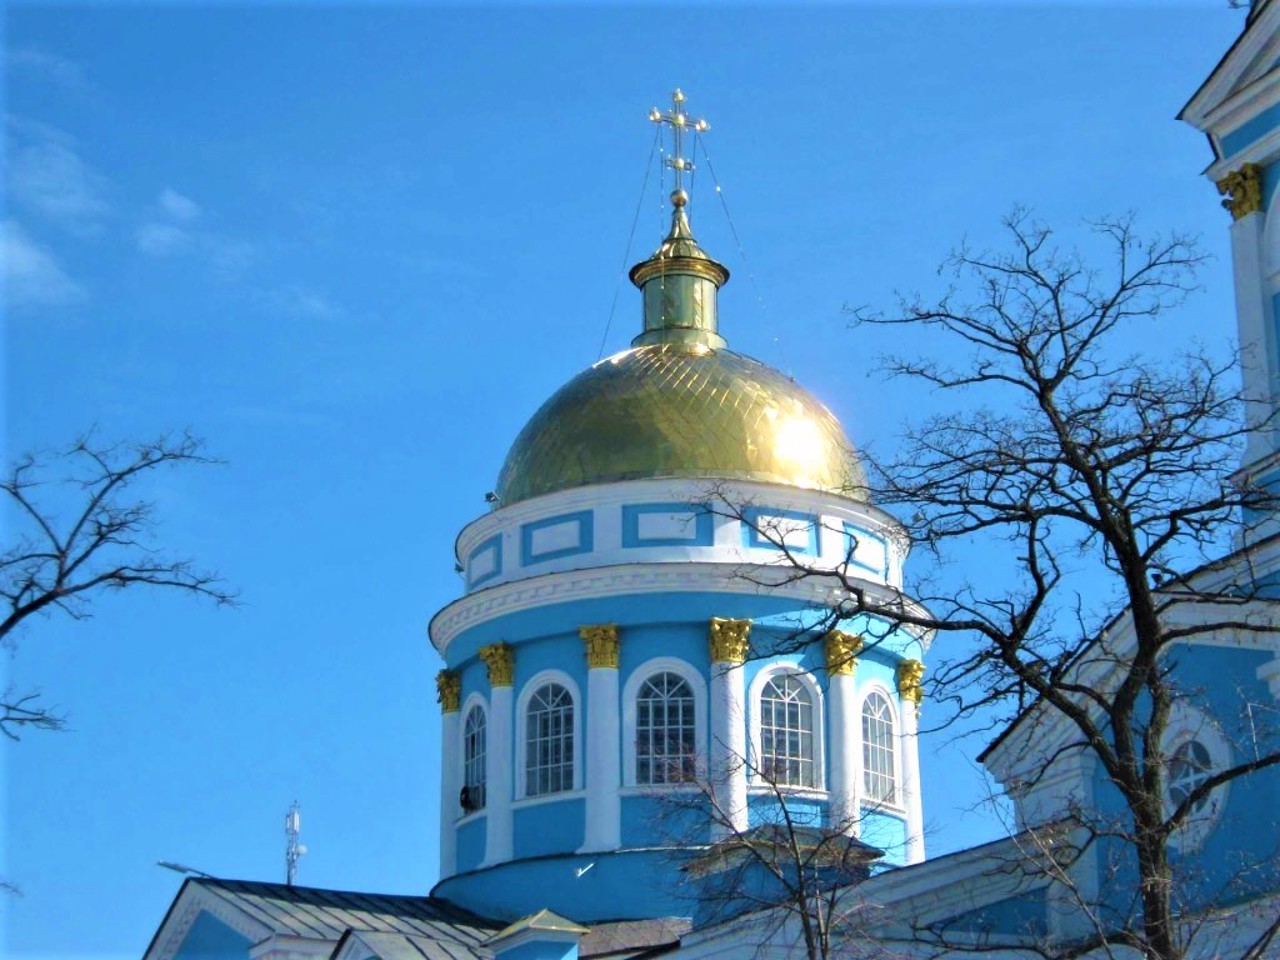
665 730
473 760
1189 766
878 770
786 733
549 741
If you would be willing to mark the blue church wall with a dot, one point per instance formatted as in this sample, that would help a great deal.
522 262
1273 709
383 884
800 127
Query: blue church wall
540 950
628 611
886 831
683 641
618 886
1237 858
1270 180
804 811
1267 587
657 819
470 843
1025 915
1250 131
548 826
680 620
211 939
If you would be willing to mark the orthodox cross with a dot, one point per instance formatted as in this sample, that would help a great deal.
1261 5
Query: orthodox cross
679 122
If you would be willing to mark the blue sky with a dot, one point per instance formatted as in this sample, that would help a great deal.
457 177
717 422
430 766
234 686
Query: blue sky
355 247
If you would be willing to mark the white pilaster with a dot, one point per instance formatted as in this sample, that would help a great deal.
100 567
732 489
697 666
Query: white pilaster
450 786
844 740
728 767
603 830
498 771
911 799
1256 332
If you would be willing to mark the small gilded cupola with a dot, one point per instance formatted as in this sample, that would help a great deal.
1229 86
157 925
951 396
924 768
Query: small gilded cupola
680 280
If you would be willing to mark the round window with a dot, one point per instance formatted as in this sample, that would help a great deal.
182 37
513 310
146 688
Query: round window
1195 748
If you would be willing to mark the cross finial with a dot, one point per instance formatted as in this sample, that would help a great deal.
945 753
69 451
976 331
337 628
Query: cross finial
679 122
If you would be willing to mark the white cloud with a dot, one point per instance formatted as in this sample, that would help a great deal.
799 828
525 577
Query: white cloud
302 303
177 206
48 67
161 239
48 177
32 275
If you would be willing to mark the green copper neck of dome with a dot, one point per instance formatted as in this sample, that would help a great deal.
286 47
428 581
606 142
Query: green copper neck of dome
679 283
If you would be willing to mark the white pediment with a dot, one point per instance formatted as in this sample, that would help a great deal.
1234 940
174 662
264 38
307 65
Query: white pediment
191 902
1245 81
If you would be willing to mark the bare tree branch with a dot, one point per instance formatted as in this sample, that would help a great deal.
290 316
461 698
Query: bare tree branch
77 533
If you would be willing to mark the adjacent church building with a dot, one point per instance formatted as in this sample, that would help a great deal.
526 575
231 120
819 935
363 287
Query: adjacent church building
638 690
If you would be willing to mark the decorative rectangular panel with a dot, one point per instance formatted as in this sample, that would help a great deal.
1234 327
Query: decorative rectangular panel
667 525
556 537
765 529
867 550
485 562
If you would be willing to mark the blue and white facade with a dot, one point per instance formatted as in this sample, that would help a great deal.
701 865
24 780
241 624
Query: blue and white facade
634 671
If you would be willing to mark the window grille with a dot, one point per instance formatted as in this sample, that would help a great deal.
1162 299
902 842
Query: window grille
473 759
549 741
786 733
665 730
879 777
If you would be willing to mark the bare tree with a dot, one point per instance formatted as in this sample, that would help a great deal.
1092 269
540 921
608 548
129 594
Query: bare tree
1099 487
790 878
77 532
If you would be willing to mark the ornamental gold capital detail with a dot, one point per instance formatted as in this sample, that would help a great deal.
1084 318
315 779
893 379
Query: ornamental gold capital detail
730 640
910 686
601 640
1243 190
448 691
500 658
842 651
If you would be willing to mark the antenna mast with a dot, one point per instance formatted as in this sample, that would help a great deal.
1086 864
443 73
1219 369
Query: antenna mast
293 850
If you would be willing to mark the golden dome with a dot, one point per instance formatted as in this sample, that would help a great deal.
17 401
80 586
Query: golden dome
677 404
683 410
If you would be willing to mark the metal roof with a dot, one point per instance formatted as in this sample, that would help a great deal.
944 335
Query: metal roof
328 914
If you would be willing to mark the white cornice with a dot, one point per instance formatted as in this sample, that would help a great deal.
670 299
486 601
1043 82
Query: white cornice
711 491
641 578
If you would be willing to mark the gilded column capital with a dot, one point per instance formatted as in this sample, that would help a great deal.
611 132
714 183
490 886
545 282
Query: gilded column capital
601 640
910 675
500 658
730 640
448 691
1243 190
842 650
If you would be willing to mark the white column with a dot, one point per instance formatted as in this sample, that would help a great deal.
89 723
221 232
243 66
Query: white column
910 696
449 693
844 737
603 828
911 783
499 756
728 766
